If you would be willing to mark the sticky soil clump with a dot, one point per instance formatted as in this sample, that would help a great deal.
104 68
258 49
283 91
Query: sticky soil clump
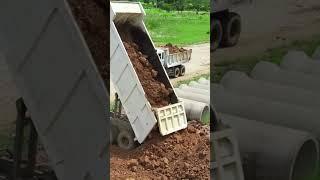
141 55
174 49
92 18
182 155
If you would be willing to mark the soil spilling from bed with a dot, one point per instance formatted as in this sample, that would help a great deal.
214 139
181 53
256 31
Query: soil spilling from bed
174 49
140 54
92 16
182 155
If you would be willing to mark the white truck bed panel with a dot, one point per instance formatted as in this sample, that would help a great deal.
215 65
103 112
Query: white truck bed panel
60 84
177 59
129 88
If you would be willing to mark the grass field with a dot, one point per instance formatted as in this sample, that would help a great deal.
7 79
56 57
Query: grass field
274 55
179 28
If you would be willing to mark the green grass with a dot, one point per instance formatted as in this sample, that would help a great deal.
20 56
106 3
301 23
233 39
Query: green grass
194 78
274 55
178 28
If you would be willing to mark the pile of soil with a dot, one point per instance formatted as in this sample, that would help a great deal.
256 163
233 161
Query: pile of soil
143 55
156 92
182 155
174 49
92 17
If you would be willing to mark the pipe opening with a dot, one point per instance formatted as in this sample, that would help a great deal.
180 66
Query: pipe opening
305 164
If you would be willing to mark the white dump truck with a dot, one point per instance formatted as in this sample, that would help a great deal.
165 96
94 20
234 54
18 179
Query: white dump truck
140 117
225 24
173 62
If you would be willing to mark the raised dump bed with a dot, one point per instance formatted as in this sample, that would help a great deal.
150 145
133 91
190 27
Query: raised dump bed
57 77
139 78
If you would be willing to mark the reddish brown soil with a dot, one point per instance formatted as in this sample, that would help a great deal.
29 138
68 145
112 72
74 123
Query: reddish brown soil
93 19
157 93
182 155
174 49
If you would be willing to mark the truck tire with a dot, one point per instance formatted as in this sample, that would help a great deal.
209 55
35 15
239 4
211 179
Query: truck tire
176 72
182 70
231 29
125 140
216 34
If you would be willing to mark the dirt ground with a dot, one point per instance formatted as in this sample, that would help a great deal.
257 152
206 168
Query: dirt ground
181 155
273 23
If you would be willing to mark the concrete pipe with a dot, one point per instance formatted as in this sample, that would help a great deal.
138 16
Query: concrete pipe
203 81
316 54
187 88
280 153
278 113
193 96
198 85
298 61
240 83
196 110
269 72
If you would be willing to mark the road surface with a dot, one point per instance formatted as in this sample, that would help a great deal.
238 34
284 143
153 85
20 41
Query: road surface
272 23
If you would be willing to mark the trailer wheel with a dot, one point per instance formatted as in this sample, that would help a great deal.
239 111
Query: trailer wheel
216 34
231 30
125 140
176 72
182 70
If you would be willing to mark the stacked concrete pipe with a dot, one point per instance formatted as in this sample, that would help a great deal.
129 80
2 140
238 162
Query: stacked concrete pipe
299 61
270 72
198 85
239 83
196 110
280 153
187 88
193 96
268 111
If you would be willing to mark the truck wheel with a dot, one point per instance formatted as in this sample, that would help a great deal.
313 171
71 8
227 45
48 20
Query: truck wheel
182 70
216 34
231 30
125 140
176 72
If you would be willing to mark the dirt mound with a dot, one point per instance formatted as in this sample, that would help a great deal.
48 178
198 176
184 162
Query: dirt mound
184 154
157 93
174 49
92 17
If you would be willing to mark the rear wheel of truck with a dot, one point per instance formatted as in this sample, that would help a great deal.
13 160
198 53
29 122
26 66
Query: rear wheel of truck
216 34
182 70
176 72
231 29
125 140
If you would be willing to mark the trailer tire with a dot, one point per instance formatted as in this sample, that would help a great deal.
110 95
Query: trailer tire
231 30
182 70
216 34
176 72
125 140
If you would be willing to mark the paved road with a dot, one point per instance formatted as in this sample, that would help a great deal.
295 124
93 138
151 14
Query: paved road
199 64
8 95
272 23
